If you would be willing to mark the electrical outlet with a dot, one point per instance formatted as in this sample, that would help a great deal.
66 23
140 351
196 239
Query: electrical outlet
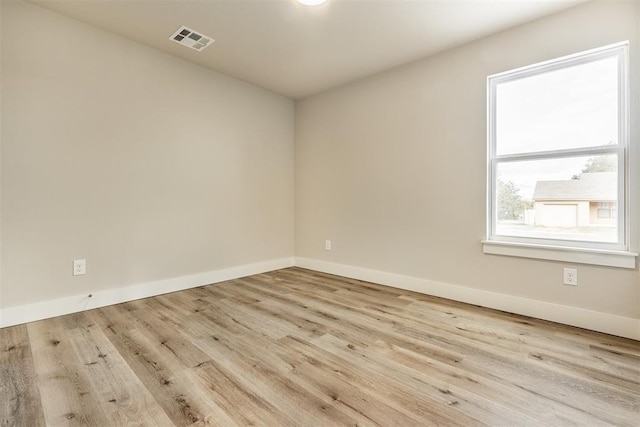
570 276
327 245
79 267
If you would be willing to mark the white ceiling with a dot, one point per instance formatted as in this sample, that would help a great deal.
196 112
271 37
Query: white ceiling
298 50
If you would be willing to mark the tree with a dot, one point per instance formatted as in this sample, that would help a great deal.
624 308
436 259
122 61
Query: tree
511 205
598 164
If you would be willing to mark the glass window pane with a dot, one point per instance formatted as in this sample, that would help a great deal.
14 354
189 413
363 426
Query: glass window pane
558 199
568 108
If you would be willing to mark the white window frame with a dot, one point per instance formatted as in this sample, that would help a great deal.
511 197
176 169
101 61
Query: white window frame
600 253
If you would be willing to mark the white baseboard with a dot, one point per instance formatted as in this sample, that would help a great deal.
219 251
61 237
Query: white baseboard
73 304
588 319
627 327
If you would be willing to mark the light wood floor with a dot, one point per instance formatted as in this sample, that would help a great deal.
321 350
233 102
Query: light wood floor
295 347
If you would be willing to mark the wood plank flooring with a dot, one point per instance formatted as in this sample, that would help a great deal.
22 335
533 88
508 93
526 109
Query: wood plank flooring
300 348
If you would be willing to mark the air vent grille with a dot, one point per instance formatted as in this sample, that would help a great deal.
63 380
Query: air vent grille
192 39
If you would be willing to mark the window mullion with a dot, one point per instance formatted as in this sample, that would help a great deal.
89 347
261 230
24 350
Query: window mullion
574 152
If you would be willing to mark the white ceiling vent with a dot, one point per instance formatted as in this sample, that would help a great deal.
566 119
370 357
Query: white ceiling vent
189 38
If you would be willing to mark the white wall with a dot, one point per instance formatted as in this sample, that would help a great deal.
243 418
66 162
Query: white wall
163 174
148 166
392 169
1 92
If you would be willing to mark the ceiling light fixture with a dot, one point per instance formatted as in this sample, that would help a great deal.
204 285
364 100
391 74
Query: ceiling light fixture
311 2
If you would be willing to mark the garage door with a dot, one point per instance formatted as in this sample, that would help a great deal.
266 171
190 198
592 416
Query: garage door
559 215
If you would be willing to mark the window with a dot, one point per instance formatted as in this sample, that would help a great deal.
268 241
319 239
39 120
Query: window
557 156
606 210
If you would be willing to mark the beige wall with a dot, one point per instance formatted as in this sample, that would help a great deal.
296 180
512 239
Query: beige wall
153 168
1 92
392 168
146 165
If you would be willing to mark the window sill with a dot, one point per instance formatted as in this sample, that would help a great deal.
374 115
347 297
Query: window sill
619 259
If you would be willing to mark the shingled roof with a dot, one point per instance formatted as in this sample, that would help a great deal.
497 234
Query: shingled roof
595 186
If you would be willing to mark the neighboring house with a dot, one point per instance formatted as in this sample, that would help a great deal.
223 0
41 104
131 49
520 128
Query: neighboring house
589 200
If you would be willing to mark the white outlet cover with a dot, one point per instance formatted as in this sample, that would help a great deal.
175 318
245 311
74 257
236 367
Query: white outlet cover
570 276
79 267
